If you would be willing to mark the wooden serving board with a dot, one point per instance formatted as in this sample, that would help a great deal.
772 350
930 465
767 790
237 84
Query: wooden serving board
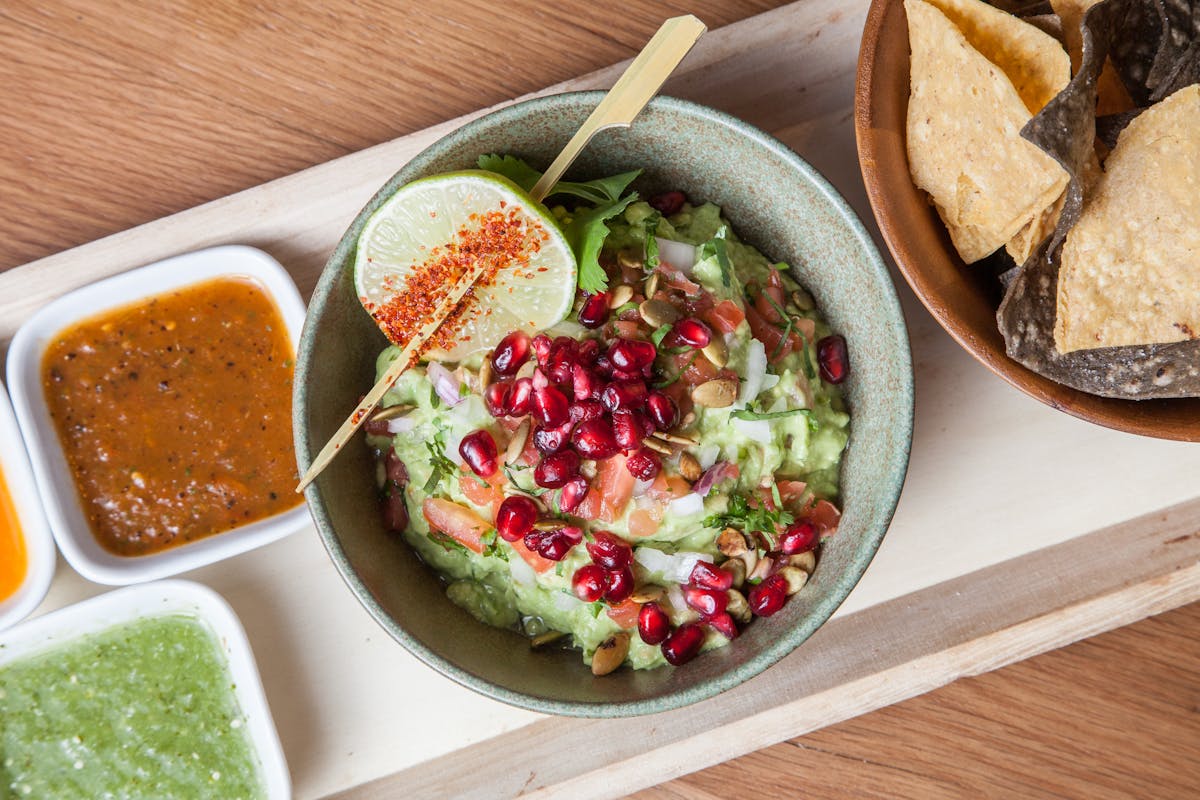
1020 529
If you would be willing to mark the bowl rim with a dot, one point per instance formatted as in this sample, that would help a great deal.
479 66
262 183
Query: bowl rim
875 150
53 476
775 650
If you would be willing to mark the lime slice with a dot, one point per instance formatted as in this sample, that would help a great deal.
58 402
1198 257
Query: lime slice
413 249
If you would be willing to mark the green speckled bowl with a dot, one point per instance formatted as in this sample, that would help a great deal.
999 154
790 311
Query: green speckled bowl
777 202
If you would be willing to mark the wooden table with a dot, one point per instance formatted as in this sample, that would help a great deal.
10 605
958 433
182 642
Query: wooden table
115 115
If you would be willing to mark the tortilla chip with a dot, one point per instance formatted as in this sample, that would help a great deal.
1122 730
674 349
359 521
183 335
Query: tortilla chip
1035 231
1130 268
964 142
1035 62
1111 95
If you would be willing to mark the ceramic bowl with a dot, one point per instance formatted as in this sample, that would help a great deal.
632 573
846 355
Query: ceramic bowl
55 482
169 598
777 202
961 298
32 530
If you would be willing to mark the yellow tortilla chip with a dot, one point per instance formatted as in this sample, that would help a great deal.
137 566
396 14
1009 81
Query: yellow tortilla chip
964 142
1130 269
1034 61
1029 237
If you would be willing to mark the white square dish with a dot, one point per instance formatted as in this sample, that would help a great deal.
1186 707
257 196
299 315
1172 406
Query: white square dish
164 598
55 481
40 555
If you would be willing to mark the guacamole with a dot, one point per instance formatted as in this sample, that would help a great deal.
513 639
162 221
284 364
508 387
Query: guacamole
742 465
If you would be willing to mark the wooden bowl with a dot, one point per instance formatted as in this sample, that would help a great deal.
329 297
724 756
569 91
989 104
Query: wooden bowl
962 299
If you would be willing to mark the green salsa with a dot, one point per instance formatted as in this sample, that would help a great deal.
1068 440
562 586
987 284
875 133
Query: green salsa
142 710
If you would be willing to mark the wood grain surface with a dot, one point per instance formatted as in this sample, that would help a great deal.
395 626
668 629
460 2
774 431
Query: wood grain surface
116 113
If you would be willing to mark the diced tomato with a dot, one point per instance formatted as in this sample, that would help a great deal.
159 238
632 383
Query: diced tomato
804 327
669 487
625 614
826 517
628 329
696 368
770 335
725 316
490 496
791 493
456 521
645 521
615 484
532 557
677 280
529 456
589 507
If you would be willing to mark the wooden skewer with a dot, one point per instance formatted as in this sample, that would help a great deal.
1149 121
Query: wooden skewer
628 96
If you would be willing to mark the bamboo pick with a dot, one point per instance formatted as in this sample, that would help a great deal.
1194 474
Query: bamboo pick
628 96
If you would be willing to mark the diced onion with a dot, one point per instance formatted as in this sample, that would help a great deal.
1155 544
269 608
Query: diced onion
691 503
522 573
756 430
708 455
641 487
680 255
770 381
400 425
565 602
453 440
674 567
444 383
756 370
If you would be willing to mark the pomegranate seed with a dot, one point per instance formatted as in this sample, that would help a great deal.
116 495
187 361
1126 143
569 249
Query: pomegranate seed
520 398
511 353
833 359
629 428
553 471
515 517
604 364
798 538
573 534
706 576
706 601
533 539
541 348
724 624
618 585
644 465
540 381
551 440
562 359
395 512
585 410
583 382
627 375
572 494
693 332
683 644
663 411
554 546
395 469
478 449
668 203
769 596
588 583
587 351
632 354
549 406
594 312
609 551
495 397
594 439
654 625
626 394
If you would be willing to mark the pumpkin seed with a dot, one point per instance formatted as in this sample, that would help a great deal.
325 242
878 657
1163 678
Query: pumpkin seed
647 594
651 284
516 445
656 446
610 654
805 561
543 639
803 300
658 313
527 369
795 577
391 412
689 467
620 296
630 260
717 393
717 351
485 374
548 524
737 568
731 542
737 607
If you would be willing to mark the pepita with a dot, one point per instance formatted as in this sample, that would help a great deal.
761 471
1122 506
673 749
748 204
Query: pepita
731 542
548 524
610 654
689 467
527 369
391 412
651 284
630 260
737 568
803 300
717 393
805 561
516 445
543 639
717 351
657 313
738 607
647 594
620 296
656 446
485 374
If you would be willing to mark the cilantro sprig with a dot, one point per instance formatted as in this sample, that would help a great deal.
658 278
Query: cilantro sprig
718 247
751 518
440 466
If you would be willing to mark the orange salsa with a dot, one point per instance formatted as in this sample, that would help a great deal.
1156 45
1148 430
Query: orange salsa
13 561
175 414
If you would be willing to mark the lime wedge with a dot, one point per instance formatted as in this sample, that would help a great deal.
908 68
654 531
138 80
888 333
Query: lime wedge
423 238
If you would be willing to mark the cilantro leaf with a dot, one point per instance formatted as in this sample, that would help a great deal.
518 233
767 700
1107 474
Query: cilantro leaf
512 168
650 225
717 246
660 334
599 191
751 519
586 235
439 464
